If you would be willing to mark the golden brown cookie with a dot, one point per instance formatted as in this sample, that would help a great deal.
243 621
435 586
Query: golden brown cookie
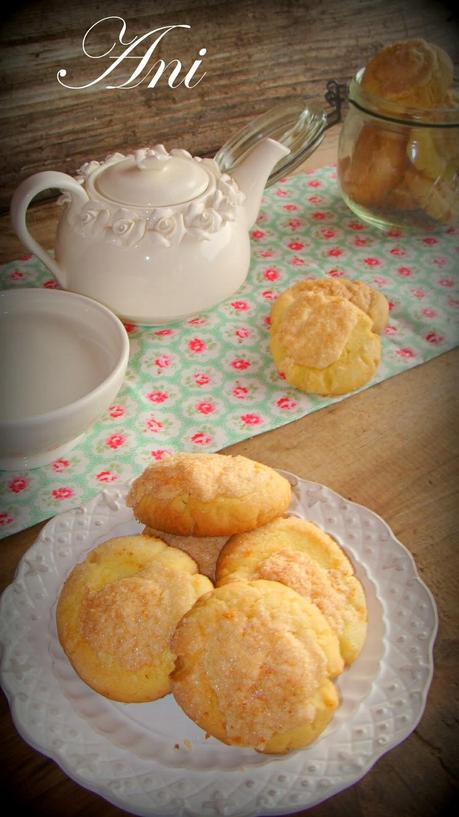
369 300
300 555
322 343
208 495
117 612
411 72
254 661
376 166
438 198
203 550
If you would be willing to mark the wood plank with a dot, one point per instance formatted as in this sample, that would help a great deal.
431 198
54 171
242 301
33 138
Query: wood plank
258 55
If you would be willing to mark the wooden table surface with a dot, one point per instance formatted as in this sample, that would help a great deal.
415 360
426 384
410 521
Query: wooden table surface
392 448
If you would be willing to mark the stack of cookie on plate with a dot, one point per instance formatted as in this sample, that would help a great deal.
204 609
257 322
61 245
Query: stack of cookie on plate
250 656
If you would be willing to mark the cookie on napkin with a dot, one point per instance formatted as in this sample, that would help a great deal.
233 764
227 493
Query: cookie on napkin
323 344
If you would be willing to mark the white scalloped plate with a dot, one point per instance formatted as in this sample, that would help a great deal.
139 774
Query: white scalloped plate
150 759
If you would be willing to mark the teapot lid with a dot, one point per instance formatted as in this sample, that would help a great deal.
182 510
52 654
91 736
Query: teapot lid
152 177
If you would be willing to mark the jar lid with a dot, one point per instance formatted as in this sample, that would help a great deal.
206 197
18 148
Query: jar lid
152 177
299 126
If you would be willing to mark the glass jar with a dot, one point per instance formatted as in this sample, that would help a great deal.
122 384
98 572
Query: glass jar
399 166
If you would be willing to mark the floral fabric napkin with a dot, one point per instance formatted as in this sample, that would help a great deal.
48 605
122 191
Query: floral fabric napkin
209 381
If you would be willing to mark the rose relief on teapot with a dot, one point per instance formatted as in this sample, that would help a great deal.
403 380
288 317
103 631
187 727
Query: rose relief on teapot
154 235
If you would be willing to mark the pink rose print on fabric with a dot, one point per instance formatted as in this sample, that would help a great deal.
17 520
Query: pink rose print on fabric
418 293
335 252
106 476
355 225
257 234
394 232
360 242
314 183
315 199
428 312
116 411
294 223
163 361
430 241
372 262
286 403
160 453
163 333
205 407
335 273
297 262
434 338
63 493
240 306
16 275
269 295
406 352
115 440
282 194
197 345
6 519
201 438
242 333
18 484
295 245
51 284
404 272
240 392
397 251
198 321
154 425
271 273
390 330
240 363
446 282
327 233
319 216
290 207
251 419
267 320
265 253
60 465
380 281
201 379
129 327
440 261
157 396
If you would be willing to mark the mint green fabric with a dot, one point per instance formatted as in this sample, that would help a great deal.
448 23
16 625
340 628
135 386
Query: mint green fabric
209 381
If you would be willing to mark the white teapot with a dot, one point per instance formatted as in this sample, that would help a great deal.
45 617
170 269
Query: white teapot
155 235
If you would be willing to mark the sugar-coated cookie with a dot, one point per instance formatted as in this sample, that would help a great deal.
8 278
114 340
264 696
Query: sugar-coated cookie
369 300
300 555
412 72
204 550
323 344
208 495
254 661
117 612
376 166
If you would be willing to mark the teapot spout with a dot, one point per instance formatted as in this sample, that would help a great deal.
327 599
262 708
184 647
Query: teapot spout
252 174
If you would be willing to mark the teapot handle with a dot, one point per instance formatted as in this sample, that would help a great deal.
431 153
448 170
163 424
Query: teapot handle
20 201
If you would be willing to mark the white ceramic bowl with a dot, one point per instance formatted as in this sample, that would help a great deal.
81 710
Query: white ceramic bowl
62 362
